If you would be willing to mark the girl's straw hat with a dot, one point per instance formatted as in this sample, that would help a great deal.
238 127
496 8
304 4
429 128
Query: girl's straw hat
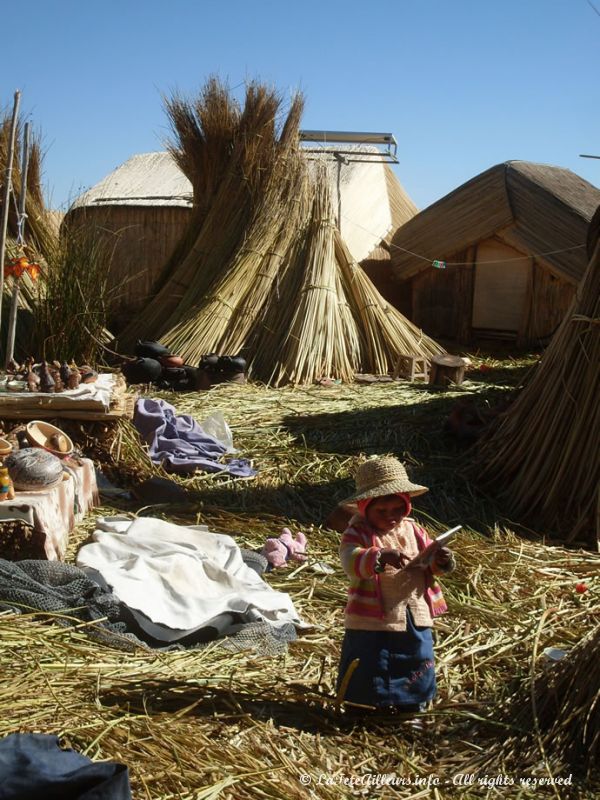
381 476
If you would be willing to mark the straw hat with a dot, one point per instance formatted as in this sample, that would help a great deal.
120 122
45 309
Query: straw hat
381 476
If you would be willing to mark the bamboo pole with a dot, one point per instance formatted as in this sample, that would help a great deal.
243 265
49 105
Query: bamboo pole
12 320
7 189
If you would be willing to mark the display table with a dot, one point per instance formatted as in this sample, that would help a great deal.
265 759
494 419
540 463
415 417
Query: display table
53 513
103 400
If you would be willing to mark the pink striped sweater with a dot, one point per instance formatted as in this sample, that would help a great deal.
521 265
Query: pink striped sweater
378 601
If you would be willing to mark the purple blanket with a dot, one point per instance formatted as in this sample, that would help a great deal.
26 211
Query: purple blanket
179 443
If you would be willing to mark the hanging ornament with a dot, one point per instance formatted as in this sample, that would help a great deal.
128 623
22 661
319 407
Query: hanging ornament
438 264
17 266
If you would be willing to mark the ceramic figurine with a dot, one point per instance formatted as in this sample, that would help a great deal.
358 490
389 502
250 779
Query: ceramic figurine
46 379
74 379
58 384
33 381
89 376
65 373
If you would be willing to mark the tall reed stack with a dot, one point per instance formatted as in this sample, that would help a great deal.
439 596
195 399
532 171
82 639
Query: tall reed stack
41 235
541 459
262 270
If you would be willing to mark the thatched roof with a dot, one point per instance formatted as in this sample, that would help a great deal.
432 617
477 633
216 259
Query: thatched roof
535 208
402 209
147 179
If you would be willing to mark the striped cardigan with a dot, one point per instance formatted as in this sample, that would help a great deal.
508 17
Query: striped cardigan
359 548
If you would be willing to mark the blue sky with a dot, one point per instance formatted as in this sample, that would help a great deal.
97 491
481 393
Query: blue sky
463 84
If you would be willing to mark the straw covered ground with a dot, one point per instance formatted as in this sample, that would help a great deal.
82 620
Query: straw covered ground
210 723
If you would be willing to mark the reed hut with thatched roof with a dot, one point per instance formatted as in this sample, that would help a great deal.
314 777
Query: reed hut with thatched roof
501 256
142 209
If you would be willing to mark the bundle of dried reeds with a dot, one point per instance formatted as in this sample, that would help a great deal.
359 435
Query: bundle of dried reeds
244 151
562 706
321 338
260 272
541 459
224 317
386 332
41 233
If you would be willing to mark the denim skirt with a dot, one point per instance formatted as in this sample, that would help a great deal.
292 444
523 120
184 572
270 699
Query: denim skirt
396 668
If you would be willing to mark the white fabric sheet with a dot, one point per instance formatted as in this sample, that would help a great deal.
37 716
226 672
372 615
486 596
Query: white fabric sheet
100 391
181 577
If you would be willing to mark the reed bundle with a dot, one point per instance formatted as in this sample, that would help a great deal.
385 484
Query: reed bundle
258 272
41 234
224 317
321 339
562 706
248 150
386 332
541 460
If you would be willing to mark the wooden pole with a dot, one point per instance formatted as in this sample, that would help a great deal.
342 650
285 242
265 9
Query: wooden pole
6 196
12 320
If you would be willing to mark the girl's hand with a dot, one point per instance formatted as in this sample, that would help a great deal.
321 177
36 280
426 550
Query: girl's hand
442 557
392 557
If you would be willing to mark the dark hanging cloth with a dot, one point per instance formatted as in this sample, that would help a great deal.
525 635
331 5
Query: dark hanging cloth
33 766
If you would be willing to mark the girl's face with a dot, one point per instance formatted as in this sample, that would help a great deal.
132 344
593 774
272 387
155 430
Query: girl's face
384 513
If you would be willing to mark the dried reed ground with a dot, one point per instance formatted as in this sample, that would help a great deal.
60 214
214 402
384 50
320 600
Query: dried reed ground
211 724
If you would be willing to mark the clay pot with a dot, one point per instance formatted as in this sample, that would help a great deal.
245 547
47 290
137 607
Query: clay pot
151 350
210 362
33 469
142 370
232 364
171 362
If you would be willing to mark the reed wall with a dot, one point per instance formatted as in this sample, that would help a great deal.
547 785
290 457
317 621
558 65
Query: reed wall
142 238
441 300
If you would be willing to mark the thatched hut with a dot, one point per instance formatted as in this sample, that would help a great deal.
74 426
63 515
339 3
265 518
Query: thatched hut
510 250
143 207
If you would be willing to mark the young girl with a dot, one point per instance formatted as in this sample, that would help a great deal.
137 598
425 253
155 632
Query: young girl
390 610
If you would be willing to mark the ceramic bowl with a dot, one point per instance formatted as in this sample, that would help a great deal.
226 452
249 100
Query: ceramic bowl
49 437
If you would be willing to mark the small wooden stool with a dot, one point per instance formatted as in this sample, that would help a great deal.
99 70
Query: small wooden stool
411 366
447 370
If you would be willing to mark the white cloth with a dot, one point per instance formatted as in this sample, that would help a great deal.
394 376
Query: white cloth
181 577
99 392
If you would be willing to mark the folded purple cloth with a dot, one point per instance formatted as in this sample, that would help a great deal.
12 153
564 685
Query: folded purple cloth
179 443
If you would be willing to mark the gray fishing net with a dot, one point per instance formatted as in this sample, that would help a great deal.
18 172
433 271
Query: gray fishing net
72 597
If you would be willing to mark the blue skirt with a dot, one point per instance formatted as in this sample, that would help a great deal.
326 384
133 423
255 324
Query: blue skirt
396 668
